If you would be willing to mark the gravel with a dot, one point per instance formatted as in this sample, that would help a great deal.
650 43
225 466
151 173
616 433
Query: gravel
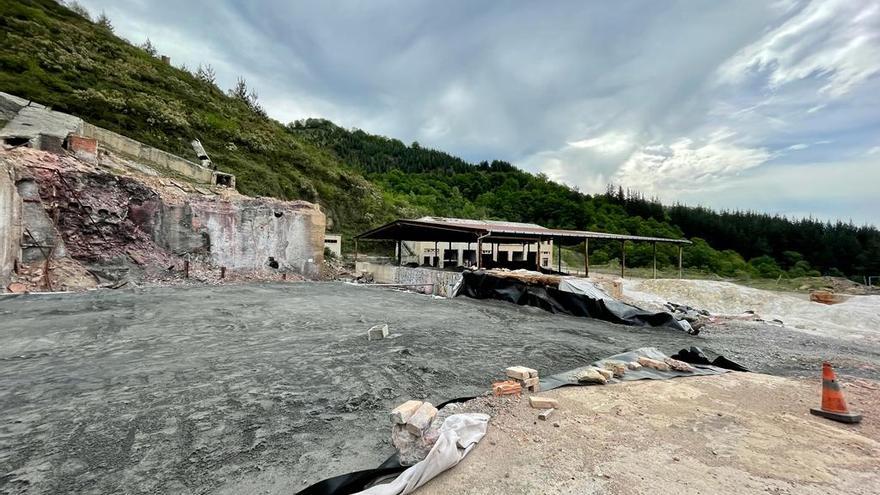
271 387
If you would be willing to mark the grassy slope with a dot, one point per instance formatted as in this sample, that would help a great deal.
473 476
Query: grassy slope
51 55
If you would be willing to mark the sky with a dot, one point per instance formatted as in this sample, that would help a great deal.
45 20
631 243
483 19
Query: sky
762 105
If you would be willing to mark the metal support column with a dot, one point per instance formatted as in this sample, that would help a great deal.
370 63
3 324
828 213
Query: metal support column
479 254
679 261
538 256
586 258
435 261
622 259
654 245
558 257
399 252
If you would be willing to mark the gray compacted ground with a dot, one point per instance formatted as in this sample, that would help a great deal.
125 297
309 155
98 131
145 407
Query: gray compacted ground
267 388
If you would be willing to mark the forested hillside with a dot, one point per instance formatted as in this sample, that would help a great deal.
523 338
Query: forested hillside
53 55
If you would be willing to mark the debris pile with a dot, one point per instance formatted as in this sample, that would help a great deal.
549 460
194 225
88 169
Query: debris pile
415 428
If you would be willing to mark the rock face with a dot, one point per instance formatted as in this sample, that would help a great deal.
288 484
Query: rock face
111 213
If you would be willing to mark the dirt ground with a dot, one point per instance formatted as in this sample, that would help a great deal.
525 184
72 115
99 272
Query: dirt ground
270 387
739 433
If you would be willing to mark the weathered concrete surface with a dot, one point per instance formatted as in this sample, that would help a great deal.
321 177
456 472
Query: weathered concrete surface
246 233
118 218
257 388
36 123
438 282
10 223
139 151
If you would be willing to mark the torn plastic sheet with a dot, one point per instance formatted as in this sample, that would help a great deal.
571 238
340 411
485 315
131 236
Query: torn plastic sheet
481 285
644 373
347 484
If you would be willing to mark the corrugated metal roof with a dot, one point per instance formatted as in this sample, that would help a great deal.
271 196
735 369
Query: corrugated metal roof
494 228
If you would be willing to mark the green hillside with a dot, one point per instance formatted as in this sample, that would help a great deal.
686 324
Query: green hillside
52 55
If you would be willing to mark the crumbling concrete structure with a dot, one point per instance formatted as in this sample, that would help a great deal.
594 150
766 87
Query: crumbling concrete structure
109 216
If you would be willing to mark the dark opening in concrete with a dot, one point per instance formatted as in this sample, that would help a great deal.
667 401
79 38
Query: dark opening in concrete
272 262
16 141
223 179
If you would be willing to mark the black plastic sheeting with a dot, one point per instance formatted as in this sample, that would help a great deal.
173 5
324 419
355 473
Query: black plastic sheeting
346 484
481 285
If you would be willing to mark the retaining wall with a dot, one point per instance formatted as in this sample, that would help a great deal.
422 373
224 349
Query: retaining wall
441 282
135 149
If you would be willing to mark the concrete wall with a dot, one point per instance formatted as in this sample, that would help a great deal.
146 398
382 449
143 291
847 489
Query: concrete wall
442 282
135 149
333 242
245 234
10 223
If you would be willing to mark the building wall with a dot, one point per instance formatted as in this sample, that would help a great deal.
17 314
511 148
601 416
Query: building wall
441 283
10 223
245 234
421 251
333 242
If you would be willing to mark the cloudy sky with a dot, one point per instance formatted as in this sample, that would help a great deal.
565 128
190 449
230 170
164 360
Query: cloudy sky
768 105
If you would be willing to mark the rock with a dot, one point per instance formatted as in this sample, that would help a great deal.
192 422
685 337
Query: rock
421 419
653 364
543 402
377 332
606 373
401 414
410 448
17 288
591 375
616 367
545 414
633 365
679 365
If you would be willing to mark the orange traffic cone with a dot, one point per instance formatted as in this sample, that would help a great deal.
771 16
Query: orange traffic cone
833 405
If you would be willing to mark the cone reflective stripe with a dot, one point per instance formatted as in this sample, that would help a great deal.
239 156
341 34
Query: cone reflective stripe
833 403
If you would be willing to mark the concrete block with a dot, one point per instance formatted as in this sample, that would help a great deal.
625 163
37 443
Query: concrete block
545 414
421 419
377 332
543 402
401 414
591 375
520 372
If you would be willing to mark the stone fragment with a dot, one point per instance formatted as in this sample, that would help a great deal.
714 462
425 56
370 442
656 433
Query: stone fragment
545 414
530 382
679 365
401 414
410 448
543 402
606 373
633 365
590 375
520 372
421 419
616 367
653 364
16 288
377 332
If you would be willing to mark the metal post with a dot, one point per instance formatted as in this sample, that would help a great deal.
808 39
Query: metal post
185 268
622 259
399 252
558 257
679 261
654 244
222 272
436 260
479 254
355 253
586 257
450 249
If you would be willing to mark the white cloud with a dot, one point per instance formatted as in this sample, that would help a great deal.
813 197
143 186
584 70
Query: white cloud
608 143
798 147
684 164
835 40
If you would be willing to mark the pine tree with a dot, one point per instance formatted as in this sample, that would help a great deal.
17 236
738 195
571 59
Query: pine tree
207 74
148 47
104 22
